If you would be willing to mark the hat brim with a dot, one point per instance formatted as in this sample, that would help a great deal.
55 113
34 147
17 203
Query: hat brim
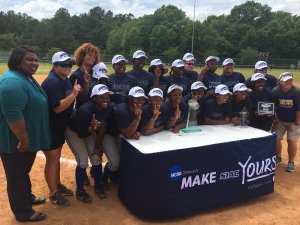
224 93
110 92
138 57
137 96
287 78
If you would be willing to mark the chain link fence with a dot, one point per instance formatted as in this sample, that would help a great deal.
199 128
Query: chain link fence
275 63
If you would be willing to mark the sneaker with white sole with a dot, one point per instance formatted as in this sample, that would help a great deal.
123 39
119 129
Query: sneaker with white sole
290 167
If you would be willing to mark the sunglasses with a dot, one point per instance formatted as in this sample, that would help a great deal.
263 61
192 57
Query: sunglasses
65 65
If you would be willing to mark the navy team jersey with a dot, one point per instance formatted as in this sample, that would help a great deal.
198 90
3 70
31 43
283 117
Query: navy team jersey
263 122
271 82
241 106
84 116
170 112
144 78
124 116
215 111
211 80
147 115
182 82
192 76
78 74
288 103
57 89
121 84
233 79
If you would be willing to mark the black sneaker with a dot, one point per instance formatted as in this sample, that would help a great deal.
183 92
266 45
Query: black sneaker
83 196
58 199
64 191
100 191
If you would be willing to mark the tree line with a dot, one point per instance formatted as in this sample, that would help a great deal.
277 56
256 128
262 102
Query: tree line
248 28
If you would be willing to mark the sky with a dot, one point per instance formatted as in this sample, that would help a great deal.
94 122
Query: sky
203 8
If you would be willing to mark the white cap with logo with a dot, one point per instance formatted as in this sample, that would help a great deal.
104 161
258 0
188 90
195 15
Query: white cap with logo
178 63
196 85
100 89
286 76
212 58
222 89
99 71
118 58
156 62
156 92
228 61
188 57
137 92
241 87
61 57
258 76
139 54
174 87
261 65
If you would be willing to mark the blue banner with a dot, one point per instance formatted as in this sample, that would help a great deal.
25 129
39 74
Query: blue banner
181 182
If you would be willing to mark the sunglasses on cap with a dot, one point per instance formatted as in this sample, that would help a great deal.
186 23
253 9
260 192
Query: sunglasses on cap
64 65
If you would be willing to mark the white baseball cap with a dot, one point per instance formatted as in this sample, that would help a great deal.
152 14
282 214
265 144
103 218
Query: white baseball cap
211 58
118 58
260 65
241 87
258 76
137 92
174 87
196 85
178 63
286 76
139 54
156 92
99 71
222 89
228 61
61 57
156 62
188 57
100 89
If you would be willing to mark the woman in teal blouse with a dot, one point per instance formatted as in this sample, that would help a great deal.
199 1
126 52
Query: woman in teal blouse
24 127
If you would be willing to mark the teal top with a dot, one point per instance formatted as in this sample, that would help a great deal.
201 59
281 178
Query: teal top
22 99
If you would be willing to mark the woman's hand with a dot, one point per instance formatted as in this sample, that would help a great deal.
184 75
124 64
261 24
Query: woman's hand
156 112
23 145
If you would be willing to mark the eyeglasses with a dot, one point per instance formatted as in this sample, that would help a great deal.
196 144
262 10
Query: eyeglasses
191 64
65 65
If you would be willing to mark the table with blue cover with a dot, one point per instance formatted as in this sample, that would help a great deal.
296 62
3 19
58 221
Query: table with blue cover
166 175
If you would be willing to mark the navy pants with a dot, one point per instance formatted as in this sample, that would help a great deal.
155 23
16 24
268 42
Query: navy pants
17 166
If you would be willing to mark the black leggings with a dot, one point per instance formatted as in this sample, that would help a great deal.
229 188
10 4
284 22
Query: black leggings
17 167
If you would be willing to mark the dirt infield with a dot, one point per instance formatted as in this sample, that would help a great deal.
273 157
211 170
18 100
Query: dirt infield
282 207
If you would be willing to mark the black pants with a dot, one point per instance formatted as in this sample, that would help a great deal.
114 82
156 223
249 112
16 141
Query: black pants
17 166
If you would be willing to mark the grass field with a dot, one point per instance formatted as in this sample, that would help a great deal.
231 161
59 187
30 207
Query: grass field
44 69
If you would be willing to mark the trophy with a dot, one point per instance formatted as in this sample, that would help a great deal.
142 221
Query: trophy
244 118
191 122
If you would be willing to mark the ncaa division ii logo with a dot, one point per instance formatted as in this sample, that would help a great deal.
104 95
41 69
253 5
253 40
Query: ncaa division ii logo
175 173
